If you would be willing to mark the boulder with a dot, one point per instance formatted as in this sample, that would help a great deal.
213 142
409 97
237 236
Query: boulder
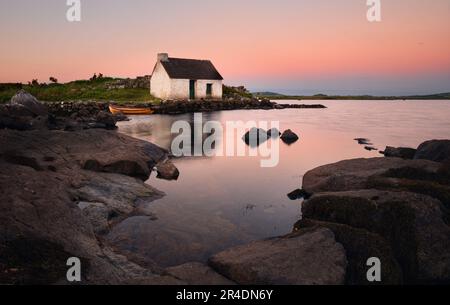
399 152
436 150
273 133
360 245
19 118
412 224
358 174
30 103
167 170
107 119
112 154
289 137
255 137
198 274
309 258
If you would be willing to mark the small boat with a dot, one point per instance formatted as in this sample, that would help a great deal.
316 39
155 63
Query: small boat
130 111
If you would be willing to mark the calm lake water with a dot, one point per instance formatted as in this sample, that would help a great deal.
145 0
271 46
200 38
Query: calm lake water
220 202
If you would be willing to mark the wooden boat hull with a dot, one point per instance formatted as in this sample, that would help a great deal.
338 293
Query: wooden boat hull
130 111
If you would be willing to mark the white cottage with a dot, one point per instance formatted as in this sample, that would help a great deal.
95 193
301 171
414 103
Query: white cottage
183 79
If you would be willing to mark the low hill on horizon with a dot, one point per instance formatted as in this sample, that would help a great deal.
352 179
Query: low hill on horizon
278 96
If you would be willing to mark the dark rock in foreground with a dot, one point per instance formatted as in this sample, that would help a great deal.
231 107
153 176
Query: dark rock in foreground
53 209
25 112
403 203
309 258
359 173
411 223
436 150
359 245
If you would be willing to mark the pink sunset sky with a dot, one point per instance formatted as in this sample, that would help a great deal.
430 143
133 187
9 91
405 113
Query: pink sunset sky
290 46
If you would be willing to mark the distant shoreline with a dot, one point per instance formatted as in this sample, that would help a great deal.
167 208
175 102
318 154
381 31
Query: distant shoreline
276 96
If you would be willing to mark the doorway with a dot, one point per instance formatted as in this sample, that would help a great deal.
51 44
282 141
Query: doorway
192 89
209 90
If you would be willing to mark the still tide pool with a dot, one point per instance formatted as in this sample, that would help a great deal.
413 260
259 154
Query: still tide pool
220 202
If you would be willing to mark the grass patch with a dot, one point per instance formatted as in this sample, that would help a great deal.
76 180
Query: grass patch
102 89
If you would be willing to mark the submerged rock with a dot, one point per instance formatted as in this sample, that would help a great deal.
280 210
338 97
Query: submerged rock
289 137
310 258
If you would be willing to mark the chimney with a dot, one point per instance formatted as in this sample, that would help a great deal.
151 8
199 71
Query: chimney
163 57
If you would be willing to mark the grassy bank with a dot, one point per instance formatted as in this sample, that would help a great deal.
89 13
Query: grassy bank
103 89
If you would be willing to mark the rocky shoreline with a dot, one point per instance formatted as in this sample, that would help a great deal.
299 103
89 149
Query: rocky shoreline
86 108
63 190
67 181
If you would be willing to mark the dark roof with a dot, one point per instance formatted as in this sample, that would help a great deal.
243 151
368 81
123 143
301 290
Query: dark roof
180 68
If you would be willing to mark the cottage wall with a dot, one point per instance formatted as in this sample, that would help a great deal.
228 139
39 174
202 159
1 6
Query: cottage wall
160 84
200 90
179 89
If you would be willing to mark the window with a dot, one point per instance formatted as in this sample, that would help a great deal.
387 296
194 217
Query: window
209 89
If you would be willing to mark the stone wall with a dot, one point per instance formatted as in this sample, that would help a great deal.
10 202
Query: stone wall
140 82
